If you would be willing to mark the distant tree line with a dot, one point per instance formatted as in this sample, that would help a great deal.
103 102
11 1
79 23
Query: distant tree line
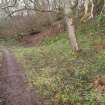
69 10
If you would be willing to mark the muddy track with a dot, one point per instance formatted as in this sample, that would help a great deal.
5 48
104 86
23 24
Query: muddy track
13 83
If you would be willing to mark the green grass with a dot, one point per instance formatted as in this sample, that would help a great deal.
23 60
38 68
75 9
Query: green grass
62 76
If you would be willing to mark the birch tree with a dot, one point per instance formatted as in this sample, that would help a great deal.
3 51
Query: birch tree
68 11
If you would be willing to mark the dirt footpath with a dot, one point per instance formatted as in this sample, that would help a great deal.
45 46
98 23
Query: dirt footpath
13 83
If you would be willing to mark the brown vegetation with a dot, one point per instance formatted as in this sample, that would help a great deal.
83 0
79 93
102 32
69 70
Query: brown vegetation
99 84
37 38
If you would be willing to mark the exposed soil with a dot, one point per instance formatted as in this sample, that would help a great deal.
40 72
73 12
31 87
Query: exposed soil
13 84
38 37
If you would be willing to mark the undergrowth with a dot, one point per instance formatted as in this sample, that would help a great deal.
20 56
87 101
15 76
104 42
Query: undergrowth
62 76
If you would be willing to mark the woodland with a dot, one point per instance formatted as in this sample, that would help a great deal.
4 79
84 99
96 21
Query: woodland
52 52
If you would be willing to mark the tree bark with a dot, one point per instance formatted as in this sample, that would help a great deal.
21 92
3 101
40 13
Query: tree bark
72 33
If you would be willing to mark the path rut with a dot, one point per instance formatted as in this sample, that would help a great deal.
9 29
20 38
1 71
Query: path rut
13 83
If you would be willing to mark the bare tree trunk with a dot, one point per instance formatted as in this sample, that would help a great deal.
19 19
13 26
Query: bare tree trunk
68 11
71 33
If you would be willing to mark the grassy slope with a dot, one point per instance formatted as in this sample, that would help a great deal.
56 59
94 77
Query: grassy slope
62 76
